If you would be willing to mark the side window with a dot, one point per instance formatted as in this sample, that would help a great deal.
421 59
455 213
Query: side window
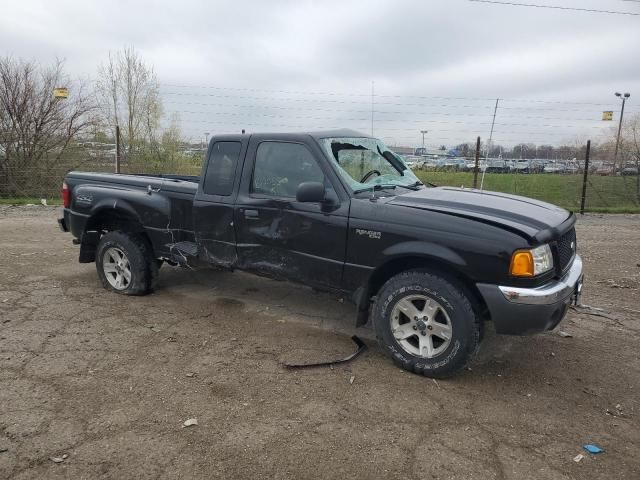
221 168
280 167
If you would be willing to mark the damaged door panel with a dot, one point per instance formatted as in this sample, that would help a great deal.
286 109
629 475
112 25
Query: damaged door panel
280 236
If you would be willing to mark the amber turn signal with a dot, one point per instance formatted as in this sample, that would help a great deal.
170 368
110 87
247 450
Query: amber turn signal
522 264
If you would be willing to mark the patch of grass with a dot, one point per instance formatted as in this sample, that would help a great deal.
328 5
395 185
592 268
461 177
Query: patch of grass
606 194
28 200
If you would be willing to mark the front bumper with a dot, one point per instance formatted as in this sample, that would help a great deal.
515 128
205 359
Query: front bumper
519 311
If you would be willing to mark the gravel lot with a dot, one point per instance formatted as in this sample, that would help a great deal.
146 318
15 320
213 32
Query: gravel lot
109 380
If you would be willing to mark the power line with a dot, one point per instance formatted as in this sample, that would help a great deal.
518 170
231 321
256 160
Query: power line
377 95
555 7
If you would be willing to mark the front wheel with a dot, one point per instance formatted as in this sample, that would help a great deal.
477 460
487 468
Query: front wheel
426 324
125 264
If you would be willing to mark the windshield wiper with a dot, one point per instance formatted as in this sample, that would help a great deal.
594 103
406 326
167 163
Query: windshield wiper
374 187
419 183
414 185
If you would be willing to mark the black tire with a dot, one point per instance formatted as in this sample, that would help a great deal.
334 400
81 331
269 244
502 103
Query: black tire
464 325
142 265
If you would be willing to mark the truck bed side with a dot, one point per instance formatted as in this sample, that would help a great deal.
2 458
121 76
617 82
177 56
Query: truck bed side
159 207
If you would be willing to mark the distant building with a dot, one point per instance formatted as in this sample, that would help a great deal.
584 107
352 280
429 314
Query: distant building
427 152
402 150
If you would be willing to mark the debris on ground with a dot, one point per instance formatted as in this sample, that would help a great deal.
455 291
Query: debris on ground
596 312
615 413
437 384
3 449
191 374
578 457
564 334
190 422
59 459
353 377
362 347
611 283
591 448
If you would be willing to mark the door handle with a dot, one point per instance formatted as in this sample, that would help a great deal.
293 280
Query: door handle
249 213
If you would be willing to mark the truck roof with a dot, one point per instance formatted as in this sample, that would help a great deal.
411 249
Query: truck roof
342 132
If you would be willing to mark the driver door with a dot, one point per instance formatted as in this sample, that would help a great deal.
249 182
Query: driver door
279 236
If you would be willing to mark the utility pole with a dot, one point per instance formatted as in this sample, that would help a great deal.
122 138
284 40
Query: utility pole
486 158
585 177
117 148
624 99
423 132
475 169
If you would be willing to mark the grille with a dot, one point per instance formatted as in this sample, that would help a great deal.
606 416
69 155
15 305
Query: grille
566 251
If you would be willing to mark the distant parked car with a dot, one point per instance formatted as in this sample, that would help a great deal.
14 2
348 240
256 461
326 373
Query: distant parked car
471 166
571 167
521 166
454 164
536 166
555 167
629 170
605 169
497 166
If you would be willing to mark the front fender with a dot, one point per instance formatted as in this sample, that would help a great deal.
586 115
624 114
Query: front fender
426 250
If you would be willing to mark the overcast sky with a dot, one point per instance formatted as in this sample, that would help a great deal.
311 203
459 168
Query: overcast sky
436 65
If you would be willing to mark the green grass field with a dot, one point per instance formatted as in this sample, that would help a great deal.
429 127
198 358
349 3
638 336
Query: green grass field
27 200
604 194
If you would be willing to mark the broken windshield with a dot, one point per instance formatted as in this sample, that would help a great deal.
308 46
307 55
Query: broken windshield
364 162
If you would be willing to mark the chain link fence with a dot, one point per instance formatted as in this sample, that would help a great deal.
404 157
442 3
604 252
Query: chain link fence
44 181
557 182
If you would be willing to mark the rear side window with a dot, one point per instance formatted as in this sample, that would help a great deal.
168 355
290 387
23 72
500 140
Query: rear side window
222 168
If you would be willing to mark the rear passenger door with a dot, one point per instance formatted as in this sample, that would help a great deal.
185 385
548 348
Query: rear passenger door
279 236
213 206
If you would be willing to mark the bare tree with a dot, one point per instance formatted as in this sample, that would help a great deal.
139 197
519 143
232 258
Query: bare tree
35 127
630 148
128 94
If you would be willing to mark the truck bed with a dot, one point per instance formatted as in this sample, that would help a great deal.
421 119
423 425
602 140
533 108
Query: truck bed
173 183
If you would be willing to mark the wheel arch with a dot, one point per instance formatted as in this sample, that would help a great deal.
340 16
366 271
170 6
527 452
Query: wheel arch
109 217
446 269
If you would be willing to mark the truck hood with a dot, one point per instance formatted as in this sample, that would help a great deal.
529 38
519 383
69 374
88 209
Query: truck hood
526 216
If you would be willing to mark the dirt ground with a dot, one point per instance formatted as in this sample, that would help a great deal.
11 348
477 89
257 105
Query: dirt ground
109 380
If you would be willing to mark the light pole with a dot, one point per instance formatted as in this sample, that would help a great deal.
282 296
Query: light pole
423 132
615 155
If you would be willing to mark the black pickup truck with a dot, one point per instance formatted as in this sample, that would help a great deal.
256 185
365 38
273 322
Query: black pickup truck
337 210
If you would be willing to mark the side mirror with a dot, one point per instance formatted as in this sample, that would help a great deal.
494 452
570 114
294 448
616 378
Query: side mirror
312 192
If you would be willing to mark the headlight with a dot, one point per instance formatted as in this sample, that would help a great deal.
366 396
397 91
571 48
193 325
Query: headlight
529 263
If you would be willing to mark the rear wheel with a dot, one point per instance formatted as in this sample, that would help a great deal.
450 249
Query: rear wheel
426 324
125 264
